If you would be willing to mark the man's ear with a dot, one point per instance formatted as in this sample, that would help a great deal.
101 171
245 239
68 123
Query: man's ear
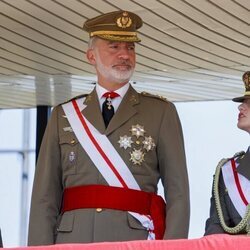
90 56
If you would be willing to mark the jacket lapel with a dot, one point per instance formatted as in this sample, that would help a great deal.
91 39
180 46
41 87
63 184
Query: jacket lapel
92 112
125 111
244 165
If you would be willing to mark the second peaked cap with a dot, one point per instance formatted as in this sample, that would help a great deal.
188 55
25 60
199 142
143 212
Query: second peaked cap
246 80
115 26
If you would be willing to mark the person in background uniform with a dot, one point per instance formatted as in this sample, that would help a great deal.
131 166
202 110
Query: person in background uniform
104 153
229 209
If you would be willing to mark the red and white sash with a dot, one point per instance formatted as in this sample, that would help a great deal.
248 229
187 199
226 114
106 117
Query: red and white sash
103 155
237 185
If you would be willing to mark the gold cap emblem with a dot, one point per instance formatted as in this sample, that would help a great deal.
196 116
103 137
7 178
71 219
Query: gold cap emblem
124 21
246 80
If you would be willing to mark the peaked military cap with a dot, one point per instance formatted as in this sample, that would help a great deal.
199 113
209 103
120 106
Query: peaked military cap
115 26
246 80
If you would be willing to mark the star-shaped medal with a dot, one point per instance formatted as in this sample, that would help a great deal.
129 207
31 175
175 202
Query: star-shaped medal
125 141
148 143
137 130
137 156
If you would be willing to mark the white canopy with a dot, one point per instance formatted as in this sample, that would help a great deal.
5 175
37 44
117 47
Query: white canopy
191 50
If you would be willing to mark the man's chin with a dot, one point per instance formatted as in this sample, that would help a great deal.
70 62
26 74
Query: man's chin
122 81
123 78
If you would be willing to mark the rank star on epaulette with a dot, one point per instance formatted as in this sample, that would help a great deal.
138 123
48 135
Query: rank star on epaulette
125 141
137 156
148 143
137 130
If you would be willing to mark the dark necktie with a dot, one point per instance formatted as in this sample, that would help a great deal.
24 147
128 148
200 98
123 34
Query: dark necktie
107 107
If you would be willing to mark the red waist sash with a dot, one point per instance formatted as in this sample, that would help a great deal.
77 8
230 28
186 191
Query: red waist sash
100 196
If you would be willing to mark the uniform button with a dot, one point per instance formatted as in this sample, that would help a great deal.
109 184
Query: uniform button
72 141
98 210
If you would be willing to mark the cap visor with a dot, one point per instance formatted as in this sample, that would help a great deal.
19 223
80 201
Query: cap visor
240 99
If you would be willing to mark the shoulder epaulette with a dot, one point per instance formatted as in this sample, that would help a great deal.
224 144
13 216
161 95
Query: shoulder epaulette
154 96
75 97
239 154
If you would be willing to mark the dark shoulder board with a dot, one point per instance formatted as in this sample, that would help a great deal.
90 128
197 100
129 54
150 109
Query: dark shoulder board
154 96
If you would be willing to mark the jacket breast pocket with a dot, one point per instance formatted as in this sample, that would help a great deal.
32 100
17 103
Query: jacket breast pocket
69 153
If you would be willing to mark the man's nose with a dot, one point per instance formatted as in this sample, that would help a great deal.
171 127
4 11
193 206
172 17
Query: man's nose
241 107
124 53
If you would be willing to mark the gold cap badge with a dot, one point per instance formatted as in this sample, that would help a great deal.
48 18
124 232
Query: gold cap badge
124 21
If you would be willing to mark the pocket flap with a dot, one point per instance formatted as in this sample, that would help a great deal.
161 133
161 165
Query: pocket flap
66 223
134 223
68 139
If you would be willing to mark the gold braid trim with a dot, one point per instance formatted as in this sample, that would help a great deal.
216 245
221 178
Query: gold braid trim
244 223
114 32
120 38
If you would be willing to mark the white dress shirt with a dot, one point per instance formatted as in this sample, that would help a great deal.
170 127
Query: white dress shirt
117 100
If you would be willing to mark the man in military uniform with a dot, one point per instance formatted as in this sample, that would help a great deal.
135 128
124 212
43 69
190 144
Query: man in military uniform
103 154
229 209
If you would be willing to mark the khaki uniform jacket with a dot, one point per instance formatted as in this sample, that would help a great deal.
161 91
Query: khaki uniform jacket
231 215
56 171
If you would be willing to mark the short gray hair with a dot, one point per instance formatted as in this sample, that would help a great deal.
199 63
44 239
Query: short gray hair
91 42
